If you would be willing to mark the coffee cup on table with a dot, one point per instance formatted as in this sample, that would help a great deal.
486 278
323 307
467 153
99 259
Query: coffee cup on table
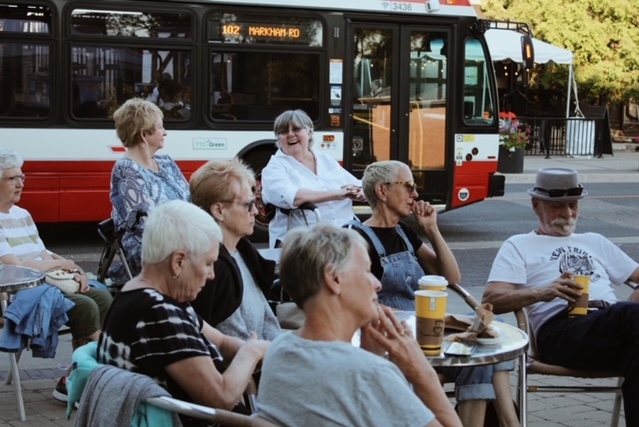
430 312
433 283
580 307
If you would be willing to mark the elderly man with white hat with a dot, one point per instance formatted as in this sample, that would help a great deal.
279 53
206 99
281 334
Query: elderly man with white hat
535 271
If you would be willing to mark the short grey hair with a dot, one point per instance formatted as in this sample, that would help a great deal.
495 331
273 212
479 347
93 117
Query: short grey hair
308 252
9 159
178 225
377 173
295 118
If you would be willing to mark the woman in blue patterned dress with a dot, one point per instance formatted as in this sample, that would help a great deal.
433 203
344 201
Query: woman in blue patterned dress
141 179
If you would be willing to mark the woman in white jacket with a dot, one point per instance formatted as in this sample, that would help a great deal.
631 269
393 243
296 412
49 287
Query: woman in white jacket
299 174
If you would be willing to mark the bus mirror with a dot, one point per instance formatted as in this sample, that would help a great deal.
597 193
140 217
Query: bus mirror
527 52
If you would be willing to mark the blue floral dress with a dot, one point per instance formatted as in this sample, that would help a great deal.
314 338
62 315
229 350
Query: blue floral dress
135 191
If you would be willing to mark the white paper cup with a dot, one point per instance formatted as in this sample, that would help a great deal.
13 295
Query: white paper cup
433 283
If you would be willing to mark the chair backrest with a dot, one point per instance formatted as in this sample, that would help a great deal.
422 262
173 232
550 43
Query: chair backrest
535 366
112 238
219 416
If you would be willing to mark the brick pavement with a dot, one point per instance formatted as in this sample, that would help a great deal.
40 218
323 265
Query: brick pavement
39 376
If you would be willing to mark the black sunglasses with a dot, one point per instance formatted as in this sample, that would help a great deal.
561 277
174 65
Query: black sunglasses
562 192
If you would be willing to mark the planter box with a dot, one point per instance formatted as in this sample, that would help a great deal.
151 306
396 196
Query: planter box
510 161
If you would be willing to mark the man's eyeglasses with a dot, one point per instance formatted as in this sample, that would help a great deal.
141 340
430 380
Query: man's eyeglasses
409 185
16 178
286 131
562 192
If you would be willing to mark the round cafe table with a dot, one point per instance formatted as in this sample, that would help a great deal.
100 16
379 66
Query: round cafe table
512 344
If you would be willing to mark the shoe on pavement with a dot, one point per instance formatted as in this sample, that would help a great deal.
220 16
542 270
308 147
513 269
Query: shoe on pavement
60 391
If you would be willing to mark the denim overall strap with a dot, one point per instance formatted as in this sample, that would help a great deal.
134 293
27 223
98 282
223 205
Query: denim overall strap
401 271
379 247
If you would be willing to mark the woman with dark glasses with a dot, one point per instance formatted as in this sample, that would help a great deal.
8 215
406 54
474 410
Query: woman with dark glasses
398 255
235 300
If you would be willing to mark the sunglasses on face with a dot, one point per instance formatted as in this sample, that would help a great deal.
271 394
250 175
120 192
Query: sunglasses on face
562 192
249 205
409 185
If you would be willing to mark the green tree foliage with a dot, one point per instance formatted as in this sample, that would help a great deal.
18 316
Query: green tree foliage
603 35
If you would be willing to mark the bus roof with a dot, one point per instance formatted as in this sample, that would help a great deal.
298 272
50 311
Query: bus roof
416 7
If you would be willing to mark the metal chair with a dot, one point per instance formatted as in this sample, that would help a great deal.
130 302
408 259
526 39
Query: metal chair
113 246
218 416
111 378
304 209
537 367
13 375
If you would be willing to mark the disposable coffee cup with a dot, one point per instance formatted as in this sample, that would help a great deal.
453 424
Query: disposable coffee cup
580 307
433 283
430 311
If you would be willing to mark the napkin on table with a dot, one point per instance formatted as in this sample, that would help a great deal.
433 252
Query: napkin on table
472 326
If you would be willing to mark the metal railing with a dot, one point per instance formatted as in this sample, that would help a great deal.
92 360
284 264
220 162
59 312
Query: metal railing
573 136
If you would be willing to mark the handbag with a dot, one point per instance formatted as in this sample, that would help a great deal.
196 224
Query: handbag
62 280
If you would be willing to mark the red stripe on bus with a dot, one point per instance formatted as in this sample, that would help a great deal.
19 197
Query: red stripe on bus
118 149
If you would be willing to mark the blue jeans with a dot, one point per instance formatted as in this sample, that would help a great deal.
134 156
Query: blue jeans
475 383
604 339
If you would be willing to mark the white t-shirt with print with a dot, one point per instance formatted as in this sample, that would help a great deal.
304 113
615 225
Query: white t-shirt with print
530 260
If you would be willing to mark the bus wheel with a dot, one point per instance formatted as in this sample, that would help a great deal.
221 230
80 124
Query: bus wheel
257 160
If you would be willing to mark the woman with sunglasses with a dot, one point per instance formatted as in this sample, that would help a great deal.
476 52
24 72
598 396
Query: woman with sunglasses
399 258
398 255
298 174
235 300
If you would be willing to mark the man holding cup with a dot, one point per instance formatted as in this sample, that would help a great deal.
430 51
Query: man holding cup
539 270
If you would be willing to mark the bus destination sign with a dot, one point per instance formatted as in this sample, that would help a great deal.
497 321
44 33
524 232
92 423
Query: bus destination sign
245 32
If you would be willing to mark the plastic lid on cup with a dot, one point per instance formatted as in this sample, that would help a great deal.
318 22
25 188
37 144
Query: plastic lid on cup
433 281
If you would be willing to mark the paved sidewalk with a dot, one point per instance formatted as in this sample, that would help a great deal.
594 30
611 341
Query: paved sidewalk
39 376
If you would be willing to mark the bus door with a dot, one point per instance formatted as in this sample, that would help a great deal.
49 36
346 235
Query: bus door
398 102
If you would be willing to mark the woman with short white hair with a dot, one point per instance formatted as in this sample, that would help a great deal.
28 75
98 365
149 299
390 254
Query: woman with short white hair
20 244
153 330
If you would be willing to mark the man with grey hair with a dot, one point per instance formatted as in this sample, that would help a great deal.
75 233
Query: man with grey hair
20 244
535 271
326 270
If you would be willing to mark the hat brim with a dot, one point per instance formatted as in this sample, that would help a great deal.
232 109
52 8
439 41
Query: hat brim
544 196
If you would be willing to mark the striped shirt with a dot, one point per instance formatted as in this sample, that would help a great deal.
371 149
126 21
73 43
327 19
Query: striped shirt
19 235
146 330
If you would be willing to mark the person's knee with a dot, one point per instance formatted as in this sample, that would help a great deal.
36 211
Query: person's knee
84 317
102 298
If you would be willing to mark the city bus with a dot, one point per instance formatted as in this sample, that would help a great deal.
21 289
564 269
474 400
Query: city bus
410 80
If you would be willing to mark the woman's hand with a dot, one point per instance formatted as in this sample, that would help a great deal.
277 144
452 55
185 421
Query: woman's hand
353 192
82 278
403 350
425 214
257 346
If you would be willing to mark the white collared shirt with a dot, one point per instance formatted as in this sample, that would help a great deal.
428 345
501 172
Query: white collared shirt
284 176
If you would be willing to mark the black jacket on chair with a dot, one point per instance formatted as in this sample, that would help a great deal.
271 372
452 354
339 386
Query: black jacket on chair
223 295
